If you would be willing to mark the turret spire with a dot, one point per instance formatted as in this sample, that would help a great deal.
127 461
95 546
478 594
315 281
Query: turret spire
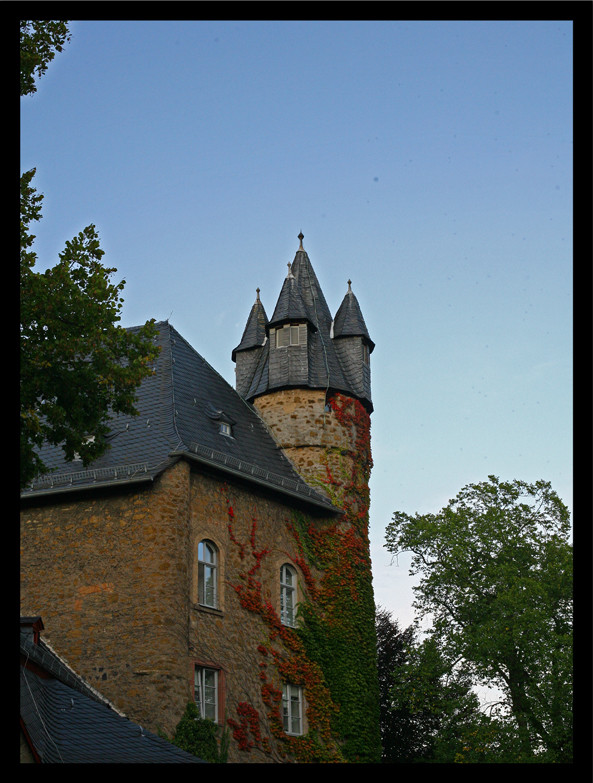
301 345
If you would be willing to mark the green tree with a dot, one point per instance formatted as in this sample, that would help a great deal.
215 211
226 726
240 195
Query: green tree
496 581
402 737
429 712
78 366
198 736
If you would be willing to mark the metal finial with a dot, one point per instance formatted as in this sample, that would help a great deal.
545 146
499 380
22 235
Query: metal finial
349 284
257 292
300 237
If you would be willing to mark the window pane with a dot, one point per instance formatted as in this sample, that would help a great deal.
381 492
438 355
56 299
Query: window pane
207 574
206 692
291 709
209 586
295 710
287 595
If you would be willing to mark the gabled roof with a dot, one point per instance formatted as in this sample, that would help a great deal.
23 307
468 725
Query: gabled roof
67 721
180 409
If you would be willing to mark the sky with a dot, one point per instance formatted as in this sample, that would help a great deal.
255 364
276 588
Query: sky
430 162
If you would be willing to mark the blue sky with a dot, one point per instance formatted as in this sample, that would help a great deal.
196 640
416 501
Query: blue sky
428 162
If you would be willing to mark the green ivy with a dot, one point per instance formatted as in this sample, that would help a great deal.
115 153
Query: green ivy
338 628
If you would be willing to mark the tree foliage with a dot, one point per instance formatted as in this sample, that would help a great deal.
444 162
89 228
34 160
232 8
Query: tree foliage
77 364
496 581
198 736
429 713
40 40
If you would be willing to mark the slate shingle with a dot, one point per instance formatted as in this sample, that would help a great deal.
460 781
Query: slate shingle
332 361
175 422
69 722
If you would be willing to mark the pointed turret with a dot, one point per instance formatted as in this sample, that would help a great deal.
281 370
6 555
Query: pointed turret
306 348
349 321
353 345
290 306
248 353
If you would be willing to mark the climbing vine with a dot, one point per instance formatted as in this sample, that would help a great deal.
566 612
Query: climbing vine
338 620
282 656
331 653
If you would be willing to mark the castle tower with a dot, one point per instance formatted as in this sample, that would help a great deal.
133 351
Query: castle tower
293 367
308 375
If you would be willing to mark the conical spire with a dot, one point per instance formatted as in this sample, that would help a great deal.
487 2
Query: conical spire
310 357
349 321
254 334
290 305
318 312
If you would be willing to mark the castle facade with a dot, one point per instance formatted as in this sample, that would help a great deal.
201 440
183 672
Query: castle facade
218 551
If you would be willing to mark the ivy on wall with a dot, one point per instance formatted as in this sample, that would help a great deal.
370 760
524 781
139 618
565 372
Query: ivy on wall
331 653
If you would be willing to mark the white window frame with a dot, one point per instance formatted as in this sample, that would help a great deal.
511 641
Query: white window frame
289 334
288 595
225 429
206 683
292 709
208 574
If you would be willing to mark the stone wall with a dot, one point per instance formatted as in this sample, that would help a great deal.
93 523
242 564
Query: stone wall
307 430
108 575
251 532
114 577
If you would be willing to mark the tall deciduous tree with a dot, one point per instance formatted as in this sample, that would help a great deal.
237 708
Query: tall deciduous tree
77 364
496 579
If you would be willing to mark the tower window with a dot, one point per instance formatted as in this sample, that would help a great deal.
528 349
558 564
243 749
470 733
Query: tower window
291 334
366 354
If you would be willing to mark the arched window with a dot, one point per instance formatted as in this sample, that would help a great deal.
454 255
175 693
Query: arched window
207 574
288 582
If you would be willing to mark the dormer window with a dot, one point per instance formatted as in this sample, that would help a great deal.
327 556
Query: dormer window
290 334
225 422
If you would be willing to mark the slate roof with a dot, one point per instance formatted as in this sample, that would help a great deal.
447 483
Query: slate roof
291 305
180 409
349 321
67 721
255 330
301 299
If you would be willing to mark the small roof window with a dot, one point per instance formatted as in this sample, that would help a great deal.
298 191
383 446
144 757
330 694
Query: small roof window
225 429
